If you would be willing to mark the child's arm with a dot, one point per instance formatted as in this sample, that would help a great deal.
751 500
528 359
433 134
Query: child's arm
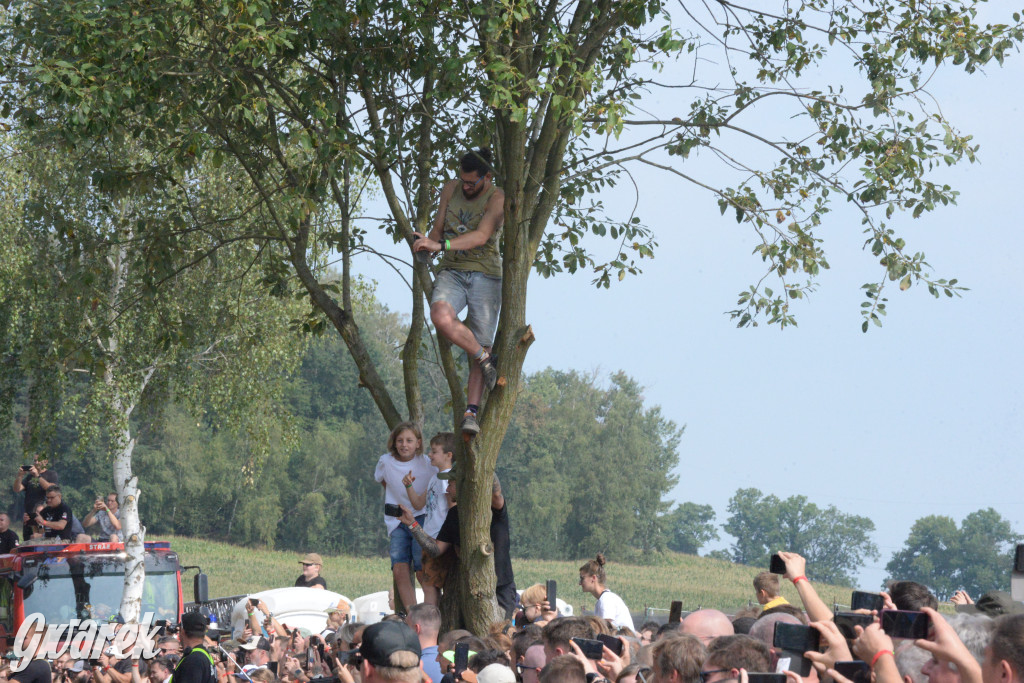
418 500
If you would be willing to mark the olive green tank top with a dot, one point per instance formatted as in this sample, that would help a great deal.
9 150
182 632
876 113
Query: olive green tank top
462 216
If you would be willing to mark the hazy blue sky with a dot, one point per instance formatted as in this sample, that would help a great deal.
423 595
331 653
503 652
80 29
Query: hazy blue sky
920 417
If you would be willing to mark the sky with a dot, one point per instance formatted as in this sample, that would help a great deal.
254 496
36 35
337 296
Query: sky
919 417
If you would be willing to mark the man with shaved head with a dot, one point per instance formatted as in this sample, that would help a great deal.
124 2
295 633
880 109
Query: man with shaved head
706 625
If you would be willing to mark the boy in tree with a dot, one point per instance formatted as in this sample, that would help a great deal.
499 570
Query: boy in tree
435 502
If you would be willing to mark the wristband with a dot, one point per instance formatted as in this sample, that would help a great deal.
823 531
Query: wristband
447 245
408 486
135 665
878 655
800 578
413 525
297 673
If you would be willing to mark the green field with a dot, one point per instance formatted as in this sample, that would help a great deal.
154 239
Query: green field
696 581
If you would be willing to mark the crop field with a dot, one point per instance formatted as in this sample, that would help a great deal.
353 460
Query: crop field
696 581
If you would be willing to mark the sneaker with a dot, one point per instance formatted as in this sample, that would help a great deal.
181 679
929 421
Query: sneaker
470 425
490 369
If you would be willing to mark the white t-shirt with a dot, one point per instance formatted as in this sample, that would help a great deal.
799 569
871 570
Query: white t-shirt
611 607
391 471
437 505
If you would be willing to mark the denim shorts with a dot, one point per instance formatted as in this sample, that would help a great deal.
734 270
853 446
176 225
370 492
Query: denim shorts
404 548
476 291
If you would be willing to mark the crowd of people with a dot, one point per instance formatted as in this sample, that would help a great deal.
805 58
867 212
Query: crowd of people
981 643
46 518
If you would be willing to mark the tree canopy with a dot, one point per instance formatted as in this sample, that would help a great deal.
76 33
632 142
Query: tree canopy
301 101
976 557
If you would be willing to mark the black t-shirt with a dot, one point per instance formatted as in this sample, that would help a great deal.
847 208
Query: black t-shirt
61 512
124 666
500 528
34 493
37 671
8 540
315 581
195 667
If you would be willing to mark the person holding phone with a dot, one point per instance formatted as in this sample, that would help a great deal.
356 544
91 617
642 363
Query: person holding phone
34 482
609 605
107 516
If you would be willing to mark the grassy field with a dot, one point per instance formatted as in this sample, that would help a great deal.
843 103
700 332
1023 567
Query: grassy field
696 581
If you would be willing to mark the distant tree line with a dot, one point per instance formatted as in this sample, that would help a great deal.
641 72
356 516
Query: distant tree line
586 466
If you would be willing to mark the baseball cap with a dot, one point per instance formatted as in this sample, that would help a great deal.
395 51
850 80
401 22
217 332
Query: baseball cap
496 673
194 624
312 558
385 638
255 642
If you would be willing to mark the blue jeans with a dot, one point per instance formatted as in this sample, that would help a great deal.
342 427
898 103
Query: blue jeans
476 291
404 548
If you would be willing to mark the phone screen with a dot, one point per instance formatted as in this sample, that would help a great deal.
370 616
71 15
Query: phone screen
461 658
795 638
591 649
905 624
611 642
675 612
392 510
857 671
552 588
845 622
777 565
868 601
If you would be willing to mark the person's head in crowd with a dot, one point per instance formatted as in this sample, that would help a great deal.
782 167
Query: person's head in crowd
532 601
336 617
520 642
748 611
350 636
909 661
728 654
111 502
54 497
1004 658
791 610
532 664
911 595
5 522
764 628
168 645
486 657
390 652
678 659
448 639
193 629
668 629
635 673
262 676
501 642
160 669
974 632
648 631
706 625
496 673
598 625
592 576
257 651
558 635
563 669
425 620
311 563
766 587
742 624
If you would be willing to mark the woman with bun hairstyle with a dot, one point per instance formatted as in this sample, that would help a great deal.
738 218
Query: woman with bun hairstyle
609 605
